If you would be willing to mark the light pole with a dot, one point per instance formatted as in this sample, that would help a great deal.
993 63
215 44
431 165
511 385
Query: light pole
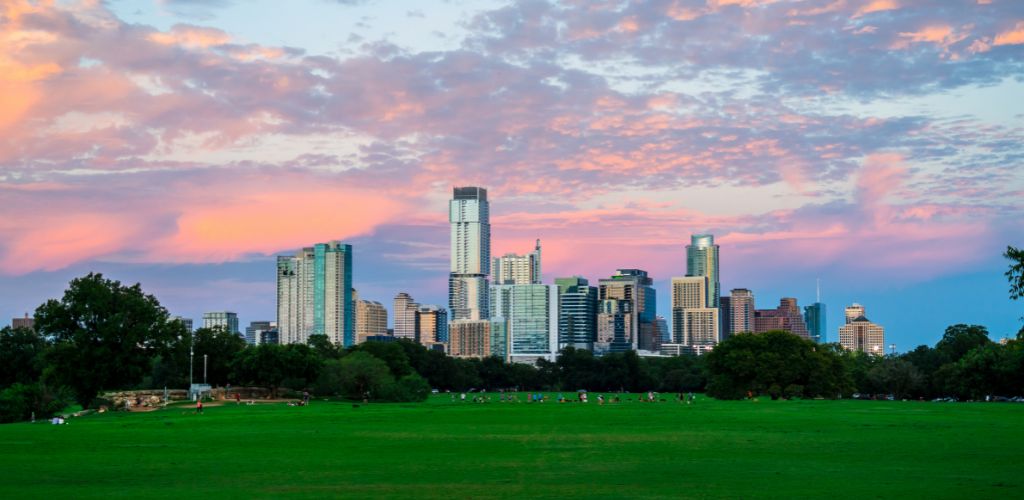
204 369
892 349
191 354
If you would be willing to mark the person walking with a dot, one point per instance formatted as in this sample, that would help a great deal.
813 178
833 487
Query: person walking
199 406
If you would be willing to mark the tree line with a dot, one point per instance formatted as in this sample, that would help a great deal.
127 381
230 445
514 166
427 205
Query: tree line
102 335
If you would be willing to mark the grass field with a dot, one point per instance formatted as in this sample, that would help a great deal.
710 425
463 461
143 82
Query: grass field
733 449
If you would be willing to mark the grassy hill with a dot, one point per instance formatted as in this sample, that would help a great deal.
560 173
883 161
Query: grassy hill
734 449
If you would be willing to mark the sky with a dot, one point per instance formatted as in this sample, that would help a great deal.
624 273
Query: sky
875 145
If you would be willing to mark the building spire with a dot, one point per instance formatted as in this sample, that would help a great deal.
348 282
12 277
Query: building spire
818 299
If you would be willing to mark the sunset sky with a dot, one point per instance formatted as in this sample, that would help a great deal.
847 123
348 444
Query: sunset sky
876 145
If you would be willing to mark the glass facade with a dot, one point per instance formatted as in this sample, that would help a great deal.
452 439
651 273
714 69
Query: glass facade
577 313
469 216
817 328
702 260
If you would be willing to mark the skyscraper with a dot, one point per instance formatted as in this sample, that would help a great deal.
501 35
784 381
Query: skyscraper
814 316
254 331
694 323
577 313
513 269
314 294
634 287
469 338
469 215
405 309
531 315
853 312
371 319
741 310
226 320
432 322
786 317
860 334
186 322
702 260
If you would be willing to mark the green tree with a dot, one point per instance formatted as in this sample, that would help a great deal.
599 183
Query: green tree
961 339
1016 272
220 348
768 363
21 356
105 335
20 401
363 375
265 365
323 347
897 377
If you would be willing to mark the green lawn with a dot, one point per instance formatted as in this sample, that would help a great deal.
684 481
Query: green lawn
732 449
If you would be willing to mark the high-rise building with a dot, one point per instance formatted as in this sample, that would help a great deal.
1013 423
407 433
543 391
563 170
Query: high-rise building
468 338
702 260
860 334
499 338
786 317
577 313
853 312
636 288
664 332
28 322
513 269
741 311
432 325
531 314
314 294
615 326
814 317
405 310
268 337
371 319
693 322
725 316
186 322
469 215
255 329
226 320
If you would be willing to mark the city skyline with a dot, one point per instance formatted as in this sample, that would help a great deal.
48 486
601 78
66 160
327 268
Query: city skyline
612 134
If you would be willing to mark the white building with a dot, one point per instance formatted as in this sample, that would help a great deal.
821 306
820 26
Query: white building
469 215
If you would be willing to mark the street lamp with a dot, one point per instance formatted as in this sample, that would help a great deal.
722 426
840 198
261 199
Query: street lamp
204 369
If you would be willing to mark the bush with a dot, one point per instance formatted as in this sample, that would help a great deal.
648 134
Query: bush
411 388
19 401
775 391
794 391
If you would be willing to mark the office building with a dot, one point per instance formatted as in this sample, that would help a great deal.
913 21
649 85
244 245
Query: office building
693 322
635 287
853 312
371 319
468 338
725 316
615 326
255 329
577 313
786 317
860 334
531 315
432 325
186 322
225 320
513 269
314 294
499 338
405 310
268 337
702 260
664 332
814 317
469 215
28 322
741 311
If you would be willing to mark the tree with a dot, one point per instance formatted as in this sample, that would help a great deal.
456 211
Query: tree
105 335
322 346
21 356
771 362
265 365
1016 272
363 375
897 377
959 340
220 347
20 401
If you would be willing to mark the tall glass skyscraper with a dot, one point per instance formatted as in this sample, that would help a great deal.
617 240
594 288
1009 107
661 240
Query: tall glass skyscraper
314 294
577 313
814 316
702 260
469 215
636 288
530 315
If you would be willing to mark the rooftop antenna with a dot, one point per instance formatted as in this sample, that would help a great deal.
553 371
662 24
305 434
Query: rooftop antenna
818 290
